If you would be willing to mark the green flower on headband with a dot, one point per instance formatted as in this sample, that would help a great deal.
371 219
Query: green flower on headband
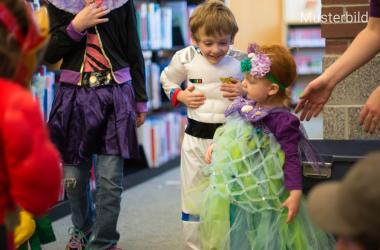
246 66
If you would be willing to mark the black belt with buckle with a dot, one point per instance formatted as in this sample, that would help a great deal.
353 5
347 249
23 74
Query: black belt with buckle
201 129
97 79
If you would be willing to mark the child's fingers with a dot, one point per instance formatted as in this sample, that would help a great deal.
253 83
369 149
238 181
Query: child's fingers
209 153
101 12
208 158
196 99
190 88
195 94
291 215
227 87
101 20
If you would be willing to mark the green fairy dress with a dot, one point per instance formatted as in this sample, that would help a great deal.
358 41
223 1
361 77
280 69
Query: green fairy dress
241 207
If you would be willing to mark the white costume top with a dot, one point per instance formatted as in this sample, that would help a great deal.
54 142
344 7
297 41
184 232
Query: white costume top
190 66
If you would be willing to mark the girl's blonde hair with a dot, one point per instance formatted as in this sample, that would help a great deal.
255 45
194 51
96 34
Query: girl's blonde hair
10 51
216 19
283 68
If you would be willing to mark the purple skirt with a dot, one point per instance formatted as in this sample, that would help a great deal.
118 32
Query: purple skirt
86 121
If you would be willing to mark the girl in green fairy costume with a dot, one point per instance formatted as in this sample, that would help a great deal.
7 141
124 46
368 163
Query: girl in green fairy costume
253 198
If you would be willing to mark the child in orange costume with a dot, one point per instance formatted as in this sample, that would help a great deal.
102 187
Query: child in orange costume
30 172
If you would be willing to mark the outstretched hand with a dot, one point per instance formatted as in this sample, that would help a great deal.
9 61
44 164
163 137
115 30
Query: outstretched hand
90 16
370 114
314 97
292 203
190 98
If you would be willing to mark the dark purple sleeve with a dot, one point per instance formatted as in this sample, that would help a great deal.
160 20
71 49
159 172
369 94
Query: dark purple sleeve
374 8
285 127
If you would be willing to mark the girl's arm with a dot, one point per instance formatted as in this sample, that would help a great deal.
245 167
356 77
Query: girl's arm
365 46
61 43
135 57
285 127
67 31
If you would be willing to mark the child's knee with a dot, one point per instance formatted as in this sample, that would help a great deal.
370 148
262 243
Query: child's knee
70 182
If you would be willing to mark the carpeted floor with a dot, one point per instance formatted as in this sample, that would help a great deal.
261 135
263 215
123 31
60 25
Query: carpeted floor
149 218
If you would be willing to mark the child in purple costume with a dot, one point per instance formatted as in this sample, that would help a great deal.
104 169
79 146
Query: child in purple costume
100 100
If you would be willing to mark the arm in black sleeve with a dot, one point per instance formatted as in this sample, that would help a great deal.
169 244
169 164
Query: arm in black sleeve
60 42
134 53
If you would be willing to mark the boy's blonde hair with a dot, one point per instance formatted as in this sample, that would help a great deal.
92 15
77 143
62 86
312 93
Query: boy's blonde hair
216 19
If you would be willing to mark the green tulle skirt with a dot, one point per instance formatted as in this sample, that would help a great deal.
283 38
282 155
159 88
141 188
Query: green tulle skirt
240 203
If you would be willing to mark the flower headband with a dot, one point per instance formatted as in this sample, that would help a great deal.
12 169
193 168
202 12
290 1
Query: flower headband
258 65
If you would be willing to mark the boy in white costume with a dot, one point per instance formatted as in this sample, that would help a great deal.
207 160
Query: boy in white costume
202 66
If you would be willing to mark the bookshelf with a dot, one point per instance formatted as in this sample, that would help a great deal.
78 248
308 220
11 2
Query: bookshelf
163 30
303 37
302 34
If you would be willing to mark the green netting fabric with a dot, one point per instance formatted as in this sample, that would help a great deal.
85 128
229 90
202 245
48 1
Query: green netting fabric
241 201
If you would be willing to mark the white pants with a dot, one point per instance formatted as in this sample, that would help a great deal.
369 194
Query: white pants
192 160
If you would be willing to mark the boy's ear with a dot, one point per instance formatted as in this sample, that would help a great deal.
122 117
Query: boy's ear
193 41
232 41
273 89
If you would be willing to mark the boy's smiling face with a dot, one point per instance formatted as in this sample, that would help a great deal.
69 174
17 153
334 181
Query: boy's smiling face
213 47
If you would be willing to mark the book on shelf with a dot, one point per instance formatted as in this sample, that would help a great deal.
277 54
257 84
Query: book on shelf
161 137
156 86
154 25
42 87
180 19
305 37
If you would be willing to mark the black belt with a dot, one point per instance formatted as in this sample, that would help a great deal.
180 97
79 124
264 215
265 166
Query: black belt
97 79
201 129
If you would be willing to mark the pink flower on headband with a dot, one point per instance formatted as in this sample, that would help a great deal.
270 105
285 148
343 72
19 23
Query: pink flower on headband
259 62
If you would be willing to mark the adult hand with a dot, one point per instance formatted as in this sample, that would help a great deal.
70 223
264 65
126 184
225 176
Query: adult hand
231 90
292 203
89 16
190 98
140 119
370 114
315 95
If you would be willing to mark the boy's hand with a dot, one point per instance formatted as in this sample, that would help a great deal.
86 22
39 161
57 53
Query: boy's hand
231 90
89 16
292 203
191 99
140 119
209 154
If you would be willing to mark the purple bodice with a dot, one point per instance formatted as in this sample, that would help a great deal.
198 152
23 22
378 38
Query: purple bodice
283 125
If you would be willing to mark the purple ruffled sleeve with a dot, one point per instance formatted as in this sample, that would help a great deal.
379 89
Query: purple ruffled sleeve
285 127
75 35
374 8
142 107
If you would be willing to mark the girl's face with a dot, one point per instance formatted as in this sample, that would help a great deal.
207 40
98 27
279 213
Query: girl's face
257 89
213 48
